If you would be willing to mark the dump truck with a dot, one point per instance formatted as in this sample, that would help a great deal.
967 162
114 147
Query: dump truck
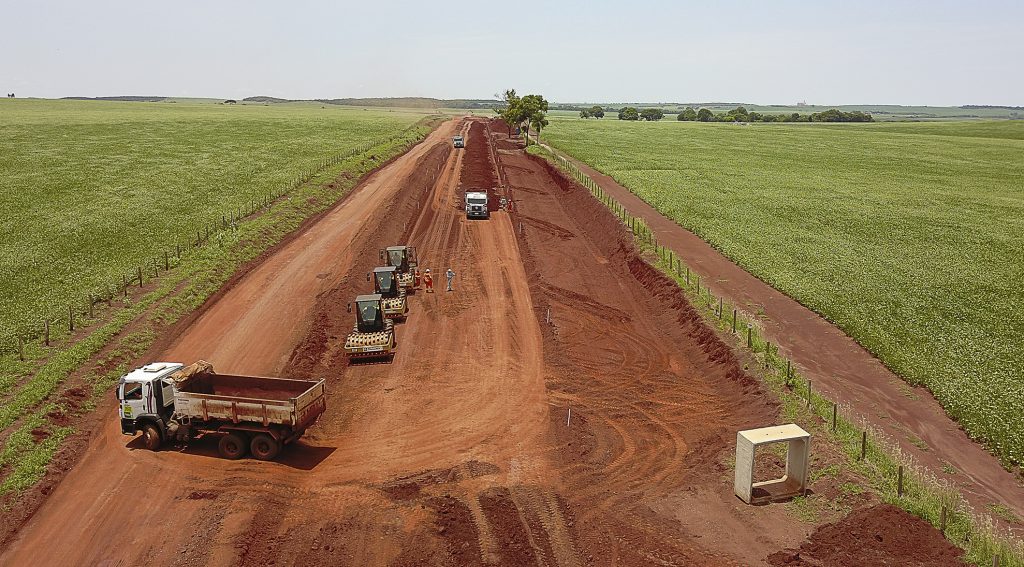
392 296
171 402
459 142
403 258
477 205
372 336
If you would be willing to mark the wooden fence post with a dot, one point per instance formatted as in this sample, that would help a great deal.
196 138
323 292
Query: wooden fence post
21 349
124 284
46 332
863 445
71 318
91 316
835 412
942 521
750 337
808 393
140 277
720 307
167 262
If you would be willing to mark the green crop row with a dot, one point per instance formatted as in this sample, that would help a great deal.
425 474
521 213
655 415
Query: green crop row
93 191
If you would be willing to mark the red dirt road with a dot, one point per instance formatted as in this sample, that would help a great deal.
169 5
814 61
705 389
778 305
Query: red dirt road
839 367
462 451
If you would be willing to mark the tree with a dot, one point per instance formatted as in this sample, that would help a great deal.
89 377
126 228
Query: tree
629 113
585 113
688 114
652 114
519 110
596 111
705 115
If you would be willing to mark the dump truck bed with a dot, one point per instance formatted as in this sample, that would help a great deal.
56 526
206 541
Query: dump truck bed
267 401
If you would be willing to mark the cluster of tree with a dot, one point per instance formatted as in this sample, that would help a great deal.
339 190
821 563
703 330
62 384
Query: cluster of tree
649 114
529 110
740 114
592 112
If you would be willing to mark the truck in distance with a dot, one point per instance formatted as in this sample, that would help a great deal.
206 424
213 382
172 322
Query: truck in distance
373 335
168 401
459 142
477 205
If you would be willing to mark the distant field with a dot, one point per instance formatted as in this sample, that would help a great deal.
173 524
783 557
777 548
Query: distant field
89 190
910 237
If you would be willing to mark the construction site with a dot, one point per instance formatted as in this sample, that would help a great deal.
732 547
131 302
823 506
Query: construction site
562 403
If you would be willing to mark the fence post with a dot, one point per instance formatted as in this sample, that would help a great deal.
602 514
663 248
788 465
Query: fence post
808 393
124 284
750 337
835 412
899 482
942 521
734 321
864 448
789 370
46 332
698 285
90 307
71 318
21 349
720 307
140 277
167 263
687 275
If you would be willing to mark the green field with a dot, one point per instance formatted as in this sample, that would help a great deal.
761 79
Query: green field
909 237
91 190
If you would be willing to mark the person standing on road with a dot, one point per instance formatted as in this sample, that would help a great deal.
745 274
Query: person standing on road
428 281
450 275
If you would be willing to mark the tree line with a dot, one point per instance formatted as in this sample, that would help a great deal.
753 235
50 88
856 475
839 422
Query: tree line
741 114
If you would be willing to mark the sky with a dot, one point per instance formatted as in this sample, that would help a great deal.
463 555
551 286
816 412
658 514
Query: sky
911 52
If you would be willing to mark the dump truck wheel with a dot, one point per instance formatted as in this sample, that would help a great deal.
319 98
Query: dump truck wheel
264 447
151 437
231 446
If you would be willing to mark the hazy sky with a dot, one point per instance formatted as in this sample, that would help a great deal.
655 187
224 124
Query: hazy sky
900 52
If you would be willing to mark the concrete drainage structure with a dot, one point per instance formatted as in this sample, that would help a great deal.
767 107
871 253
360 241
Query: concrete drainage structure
793 483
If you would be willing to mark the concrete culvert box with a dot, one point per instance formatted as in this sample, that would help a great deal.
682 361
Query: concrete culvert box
798 452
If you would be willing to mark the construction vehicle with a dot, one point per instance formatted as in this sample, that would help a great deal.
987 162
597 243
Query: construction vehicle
477 205
459 142
392 296
373 335
403 258
168 401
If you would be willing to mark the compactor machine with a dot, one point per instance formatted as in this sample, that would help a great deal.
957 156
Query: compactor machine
385 283
403 258
373 335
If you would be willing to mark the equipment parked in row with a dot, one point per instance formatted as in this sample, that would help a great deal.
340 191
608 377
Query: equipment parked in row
373 335
168 401
403 258
385 282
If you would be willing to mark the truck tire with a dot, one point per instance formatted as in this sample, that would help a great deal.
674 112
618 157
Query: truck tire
232 446
264 447
151 437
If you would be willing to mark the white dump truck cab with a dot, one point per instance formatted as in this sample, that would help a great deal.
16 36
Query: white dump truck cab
476 205
459 142
146 395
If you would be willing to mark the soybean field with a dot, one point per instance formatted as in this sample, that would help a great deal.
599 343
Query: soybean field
909 237
92 189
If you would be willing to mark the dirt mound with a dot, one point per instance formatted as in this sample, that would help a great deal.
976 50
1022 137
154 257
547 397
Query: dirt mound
879 535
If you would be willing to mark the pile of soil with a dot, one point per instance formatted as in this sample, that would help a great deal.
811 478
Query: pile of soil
878 535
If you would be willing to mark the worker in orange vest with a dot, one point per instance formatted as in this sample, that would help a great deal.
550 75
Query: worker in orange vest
428 281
